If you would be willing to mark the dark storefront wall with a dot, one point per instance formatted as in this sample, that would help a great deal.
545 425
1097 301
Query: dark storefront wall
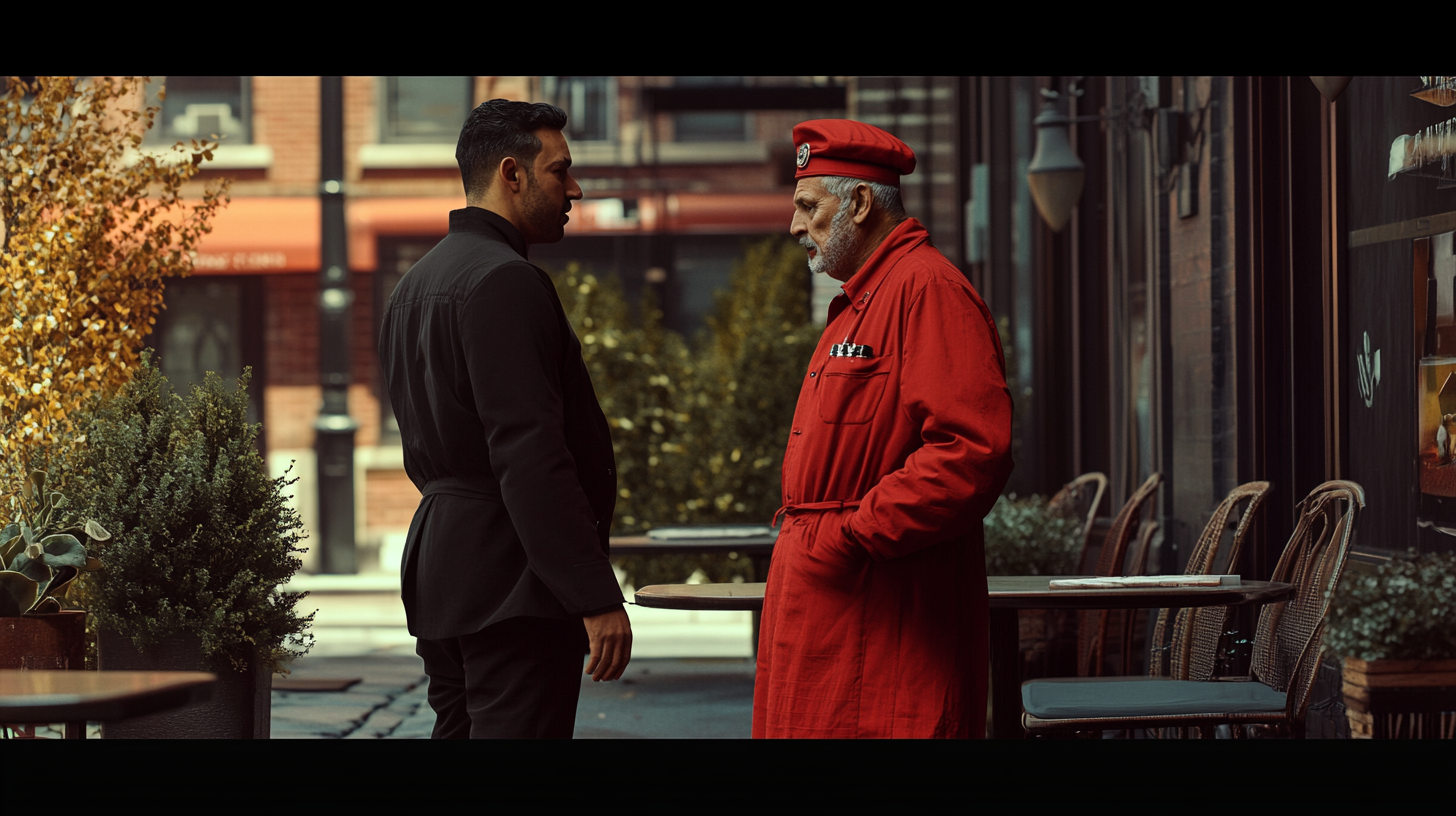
1384 437
1186 319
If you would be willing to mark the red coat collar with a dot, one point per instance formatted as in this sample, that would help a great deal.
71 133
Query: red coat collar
903 238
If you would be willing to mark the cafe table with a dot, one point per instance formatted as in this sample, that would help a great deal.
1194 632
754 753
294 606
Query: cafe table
754 541
1008 596
751 540
75 697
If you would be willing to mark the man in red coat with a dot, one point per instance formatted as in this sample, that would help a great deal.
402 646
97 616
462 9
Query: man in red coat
875 622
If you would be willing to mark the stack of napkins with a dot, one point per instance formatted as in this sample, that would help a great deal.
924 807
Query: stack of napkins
1126 581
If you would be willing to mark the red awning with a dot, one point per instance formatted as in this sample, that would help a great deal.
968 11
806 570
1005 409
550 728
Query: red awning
252 235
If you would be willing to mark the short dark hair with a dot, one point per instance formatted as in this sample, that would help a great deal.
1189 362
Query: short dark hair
497 129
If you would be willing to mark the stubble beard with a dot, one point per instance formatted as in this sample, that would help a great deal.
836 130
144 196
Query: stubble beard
542 214
838 250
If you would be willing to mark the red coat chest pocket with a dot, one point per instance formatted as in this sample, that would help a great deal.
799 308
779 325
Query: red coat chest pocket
852 388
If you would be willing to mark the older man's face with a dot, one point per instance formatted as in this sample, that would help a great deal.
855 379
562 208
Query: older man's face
823 229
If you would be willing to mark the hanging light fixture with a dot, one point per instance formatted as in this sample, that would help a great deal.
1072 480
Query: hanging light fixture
1055 174
1331 87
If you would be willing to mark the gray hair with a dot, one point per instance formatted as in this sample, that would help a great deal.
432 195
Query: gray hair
886 196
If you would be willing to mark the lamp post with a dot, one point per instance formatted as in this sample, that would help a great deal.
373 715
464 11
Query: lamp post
334 428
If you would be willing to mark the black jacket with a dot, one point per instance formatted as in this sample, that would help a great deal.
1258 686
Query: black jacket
502 434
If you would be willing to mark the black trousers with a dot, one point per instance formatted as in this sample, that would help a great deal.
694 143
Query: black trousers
517 679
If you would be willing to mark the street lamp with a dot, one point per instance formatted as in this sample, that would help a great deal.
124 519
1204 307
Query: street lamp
1055 173
1331 87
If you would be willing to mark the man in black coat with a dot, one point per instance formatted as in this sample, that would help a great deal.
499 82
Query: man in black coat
505 577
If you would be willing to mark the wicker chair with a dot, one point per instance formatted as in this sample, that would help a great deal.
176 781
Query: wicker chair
1137 564
1194 633
1081 497
1286 655
1092 625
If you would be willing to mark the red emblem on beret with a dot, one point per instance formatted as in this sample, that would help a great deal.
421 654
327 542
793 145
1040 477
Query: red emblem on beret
842 147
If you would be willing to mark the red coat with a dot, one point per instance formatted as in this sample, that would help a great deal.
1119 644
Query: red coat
875 621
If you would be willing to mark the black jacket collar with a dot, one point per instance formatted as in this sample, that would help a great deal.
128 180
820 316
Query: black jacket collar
475 219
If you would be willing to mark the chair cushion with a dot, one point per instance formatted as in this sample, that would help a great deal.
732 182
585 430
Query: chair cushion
1081 698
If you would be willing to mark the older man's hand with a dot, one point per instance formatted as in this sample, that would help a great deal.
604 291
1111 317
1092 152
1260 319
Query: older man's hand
610 636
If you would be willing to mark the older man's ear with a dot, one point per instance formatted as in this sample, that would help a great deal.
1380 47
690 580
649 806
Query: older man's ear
862 204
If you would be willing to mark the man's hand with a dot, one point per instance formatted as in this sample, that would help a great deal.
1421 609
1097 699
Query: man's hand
610 635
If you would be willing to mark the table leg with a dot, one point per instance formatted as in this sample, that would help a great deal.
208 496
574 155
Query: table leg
1006 675
760 574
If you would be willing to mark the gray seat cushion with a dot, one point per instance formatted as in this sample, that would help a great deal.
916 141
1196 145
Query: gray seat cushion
1113 697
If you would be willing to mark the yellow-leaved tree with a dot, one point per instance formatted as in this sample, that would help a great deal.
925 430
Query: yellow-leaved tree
91 225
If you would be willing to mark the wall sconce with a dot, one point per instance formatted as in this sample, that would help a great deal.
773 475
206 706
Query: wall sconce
1055 174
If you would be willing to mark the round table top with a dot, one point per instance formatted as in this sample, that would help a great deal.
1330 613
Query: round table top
1006 592
65 696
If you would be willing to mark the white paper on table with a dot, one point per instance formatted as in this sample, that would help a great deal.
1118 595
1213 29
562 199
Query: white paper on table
696 533
1134 581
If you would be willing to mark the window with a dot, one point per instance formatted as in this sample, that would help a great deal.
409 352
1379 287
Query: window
589 102
212 323
715 126
425 109
201 107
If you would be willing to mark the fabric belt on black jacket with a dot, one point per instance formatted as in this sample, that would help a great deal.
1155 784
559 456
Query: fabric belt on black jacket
812 507
464 487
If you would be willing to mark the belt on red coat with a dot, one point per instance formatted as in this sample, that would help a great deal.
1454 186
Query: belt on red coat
812 507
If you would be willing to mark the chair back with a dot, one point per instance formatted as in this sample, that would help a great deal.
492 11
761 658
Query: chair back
1288 642
1092 628
1137 564
1193 653
1081 497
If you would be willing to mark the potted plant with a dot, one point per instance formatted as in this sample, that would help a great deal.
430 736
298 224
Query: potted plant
41 555
202 540
1024 536
1395 627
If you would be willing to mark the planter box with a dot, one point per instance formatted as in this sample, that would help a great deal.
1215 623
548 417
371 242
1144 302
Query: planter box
1400 699
51 641
240 708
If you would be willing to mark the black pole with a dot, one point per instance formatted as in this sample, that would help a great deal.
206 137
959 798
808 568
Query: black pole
334 429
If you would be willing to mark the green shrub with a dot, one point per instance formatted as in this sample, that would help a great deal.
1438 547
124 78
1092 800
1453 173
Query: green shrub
201 537
1404 610
1024 538
698 429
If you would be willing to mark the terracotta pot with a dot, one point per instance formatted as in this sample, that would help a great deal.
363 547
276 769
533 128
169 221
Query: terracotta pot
1400 699
56 640
241 704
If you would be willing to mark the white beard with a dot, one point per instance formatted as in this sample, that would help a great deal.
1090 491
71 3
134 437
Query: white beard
838 250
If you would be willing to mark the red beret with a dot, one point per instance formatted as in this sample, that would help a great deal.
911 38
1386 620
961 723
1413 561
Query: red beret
841 147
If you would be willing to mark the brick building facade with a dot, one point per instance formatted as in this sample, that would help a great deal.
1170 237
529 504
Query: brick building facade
672 191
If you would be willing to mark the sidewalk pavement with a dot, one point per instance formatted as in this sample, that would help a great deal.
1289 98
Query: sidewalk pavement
691 675
673 698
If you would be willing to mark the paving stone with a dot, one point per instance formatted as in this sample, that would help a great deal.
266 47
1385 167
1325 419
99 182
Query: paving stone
327 721
419 727
379 725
